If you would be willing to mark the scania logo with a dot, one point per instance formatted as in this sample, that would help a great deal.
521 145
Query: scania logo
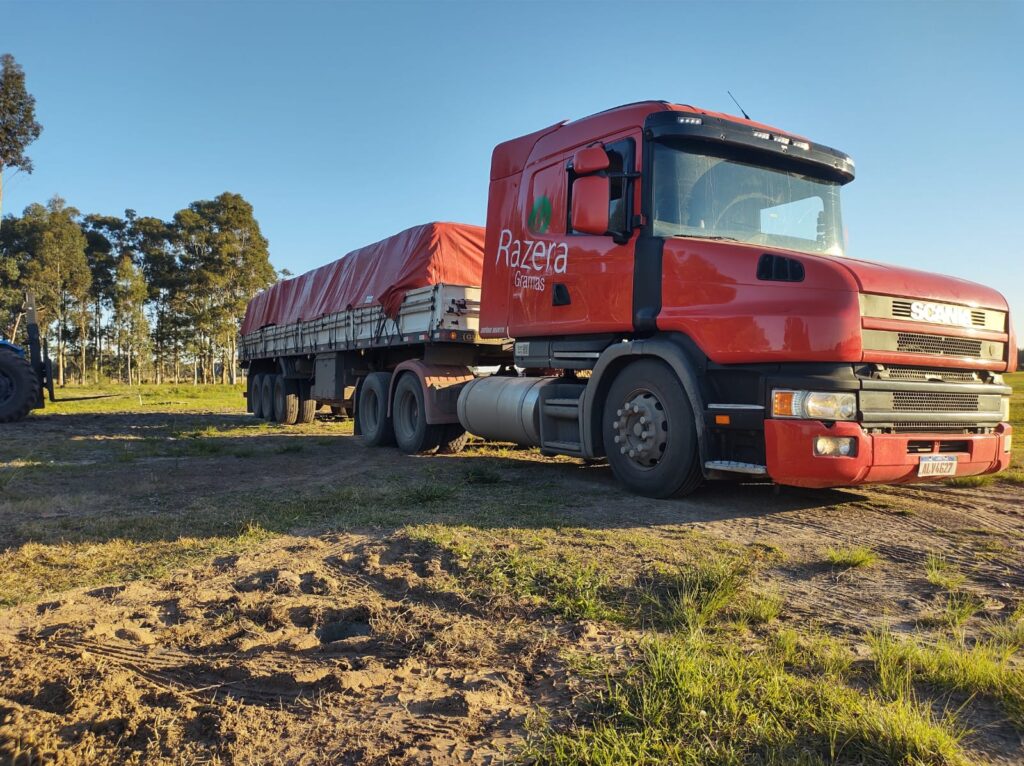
938 313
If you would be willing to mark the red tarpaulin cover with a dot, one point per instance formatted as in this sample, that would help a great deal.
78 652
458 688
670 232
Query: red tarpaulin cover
378 274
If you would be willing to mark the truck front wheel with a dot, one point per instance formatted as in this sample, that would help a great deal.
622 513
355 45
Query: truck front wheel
19 388
372 411
650 433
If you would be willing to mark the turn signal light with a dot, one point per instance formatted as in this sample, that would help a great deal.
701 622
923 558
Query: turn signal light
782 404
814 405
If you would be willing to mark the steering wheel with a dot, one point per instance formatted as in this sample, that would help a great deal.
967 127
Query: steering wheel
739 199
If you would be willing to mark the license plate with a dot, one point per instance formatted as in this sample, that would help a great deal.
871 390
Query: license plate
937 465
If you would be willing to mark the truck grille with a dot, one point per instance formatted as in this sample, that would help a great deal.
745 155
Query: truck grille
901 309
937 345
900 427
918 373
933 401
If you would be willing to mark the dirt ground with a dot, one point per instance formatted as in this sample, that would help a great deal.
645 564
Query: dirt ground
190 587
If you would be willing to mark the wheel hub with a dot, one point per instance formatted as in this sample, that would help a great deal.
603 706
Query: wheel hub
641 429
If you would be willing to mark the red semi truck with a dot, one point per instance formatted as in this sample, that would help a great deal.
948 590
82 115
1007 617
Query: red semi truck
659 285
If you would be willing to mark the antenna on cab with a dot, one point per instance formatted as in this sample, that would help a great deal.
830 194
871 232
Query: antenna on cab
745 115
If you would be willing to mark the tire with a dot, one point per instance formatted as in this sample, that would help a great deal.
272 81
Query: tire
307 406
372 412
267 397
256 395
453 439
648 413
19 387
286 400
409 417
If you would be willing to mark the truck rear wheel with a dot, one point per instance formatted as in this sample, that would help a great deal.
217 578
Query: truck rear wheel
19 388
412 432
650 433
286 400
256 395
372 411
267 396
307 406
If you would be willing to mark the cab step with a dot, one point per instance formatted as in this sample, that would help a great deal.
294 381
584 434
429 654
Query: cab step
731 466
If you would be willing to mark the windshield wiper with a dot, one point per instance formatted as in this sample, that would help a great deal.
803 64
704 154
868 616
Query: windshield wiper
709 236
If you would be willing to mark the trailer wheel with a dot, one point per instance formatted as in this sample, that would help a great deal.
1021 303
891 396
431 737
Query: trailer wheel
256 395
409 414
286 400
267 396
650 433
19 388
375 426
453 440
307 405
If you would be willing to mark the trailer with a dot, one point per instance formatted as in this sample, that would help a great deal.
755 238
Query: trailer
661 286
394 359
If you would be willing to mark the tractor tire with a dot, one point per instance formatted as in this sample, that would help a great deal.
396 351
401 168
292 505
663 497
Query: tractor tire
19 388
453 439
650 433
409 416
256 395
375 425
267 396
286 400
307 406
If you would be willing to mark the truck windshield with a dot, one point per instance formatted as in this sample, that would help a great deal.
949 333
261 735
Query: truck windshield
703 193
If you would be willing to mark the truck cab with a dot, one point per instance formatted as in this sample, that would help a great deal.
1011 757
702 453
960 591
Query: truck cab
676 285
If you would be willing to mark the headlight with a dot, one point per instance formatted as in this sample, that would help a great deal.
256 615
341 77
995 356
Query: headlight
814 405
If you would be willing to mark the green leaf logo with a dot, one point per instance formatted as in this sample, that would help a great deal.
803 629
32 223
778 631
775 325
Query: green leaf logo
540 216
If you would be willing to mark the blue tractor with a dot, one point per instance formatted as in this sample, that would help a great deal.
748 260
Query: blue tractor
24 371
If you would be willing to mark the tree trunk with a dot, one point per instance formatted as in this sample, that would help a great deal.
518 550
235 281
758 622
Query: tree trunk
233 359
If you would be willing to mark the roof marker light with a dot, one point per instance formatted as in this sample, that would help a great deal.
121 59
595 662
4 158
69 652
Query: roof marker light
690 120
802 145
762 134
782 139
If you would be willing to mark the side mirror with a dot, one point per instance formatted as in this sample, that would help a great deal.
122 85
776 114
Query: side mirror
590 160
590 198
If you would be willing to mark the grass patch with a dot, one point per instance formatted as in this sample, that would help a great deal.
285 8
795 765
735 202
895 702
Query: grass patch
482 475
812 652
36 571
687 597
761 608
983 667
942 573
957 608
969 481
851 558
691 702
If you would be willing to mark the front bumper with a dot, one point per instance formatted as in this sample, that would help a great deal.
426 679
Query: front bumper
880 458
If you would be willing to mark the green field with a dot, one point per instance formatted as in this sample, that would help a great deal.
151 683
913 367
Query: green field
736 626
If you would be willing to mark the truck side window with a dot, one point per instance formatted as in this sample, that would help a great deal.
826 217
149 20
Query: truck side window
620 160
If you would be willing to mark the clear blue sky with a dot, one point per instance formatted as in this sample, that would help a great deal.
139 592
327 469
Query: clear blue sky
345 122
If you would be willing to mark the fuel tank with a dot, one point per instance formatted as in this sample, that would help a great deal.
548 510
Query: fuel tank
503 409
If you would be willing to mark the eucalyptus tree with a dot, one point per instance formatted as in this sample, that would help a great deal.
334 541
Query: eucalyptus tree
55 267
18 126
224 261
